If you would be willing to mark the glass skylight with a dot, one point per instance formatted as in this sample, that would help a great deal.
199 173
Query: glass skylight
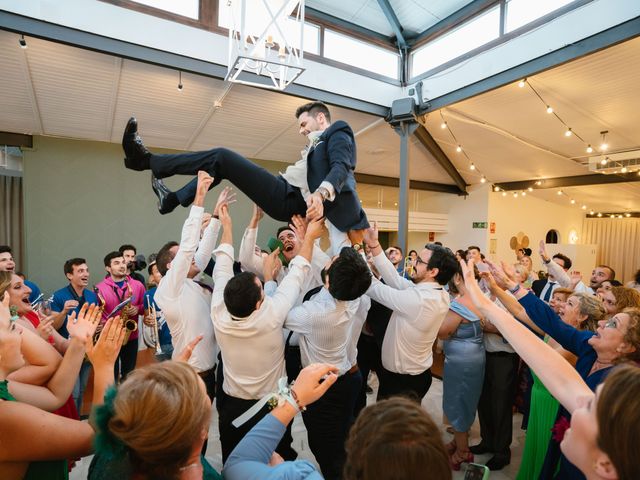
521 12
186 8
359 54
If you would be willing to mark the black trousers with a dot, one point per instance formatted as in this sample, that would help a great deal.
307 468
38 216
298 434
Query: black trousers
230 408
270 192
398 384
328 421
369 358
496 401
209 379
126 361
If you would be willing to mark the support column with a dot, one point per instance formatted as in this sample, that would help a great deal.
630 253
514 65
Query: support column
405 129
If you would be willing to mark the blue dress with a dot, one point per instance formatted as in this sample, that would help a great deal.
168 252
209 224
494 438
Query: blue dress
463 370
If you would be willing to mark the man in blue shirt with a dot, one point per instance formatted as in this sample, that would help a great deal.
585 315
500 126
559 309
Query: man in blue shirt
7 264
70 299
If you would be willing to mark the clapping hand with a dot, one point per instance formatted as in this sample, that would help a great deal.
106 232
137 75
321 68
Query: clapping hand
83 325
105 352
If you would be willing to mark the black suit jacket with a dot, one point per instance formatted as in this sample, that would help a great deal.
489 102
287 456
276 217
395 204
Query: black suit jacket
333 159
537 286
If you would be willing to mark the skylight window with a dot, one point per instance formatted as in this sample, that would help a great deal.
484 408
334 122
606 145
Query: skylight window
468 36
361 55
521 12
290 29
186 8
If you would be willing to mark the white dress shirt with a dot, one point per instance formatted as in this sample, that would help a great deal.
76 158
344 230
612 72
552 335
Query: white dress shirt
564 280
253 347
324 325
418 312
185 304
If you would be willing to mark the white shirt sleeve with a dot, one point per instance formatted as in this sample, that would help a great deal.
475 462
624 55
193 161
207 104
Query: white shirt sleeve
172 283
389 273
222 272
299 319
330 189
559 274
289 289
207 244
247 253
407 302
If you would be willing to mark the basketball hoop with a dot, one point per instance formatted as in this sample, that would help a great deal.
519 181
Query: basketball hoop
266 40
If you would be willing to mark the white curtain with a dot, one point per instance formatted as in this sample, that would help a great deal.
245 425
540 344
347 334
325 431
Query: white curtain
618 241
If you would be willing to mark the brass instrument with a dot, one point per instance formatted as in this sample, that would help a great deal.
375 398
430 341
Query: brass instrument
150 335
130 324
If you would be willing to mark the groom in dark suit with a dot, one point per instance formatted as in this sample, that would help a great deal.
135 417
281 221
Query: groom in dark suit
321 183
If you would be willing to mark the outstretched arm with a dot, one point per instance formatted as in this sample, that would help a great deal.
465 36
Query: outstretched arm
562 380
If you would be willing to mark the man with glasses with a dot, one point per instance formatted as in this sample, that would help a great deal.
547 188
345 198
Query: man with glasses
419 306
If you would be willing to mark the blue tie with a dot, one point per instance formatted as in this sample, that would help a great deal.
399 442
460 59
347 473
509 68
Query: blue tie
547 294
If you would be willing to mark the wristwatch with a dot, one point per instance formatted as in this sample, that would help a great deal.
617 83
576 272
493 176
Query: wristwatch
324 193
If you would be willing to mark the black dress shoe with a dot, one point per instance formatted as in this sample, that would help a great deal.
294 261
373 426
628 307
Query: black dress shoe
479 449
136 154
498 462
167 200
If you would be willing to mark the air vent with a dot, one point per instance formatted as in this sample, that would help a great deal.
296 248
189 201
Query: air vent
616 162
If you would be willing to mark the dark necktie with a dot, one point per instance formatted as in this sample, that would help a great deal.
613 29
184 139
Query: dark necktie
547 294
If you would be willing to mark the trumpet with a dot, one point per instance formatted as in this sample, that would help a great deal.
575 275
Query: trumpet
150 334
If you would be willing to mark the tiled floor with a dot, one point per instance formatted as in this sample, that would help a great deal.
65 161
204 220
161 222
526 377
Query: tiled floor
432 403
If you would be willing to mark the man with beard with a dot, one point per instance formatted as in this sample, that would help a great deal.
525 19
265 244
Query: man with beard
70 299
419 306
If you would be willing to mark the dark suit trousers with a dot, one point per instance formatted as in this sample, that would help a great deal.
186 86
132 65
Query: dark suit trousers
394 384
369 358
270 192
496 401
328 421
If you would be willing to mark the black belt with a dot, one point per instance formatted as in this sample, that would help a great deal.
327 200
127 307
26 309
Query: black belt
207 373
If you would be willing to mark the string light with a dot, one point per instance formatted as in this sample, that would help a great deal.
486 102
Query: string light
496 189
504 194
573 202
599 214
627 214
623 169
180 86
22 42
568 133
443 125
458 149
560 192
590 212
584 207
515 194
549 109
530 189
539 182
472 166
589 149
483 179
524 194
604 161
522 83
604 145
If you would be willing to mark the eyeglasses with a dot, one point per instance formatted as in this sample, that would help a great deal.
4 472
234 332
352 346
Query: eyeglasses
419 260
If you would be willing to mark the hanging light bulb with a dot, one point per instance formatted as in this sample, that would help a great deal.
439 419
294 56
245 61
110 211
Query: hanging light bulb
604 161
584 207
539 182
591 212
589 149
612 216
443 125
458 149
573 202
515 194
496 189
568 133
627 215
623 169
483 179
604 145
599 214
524 194
549 109
504 194
180 86
560 192
472 166
522 83
530 189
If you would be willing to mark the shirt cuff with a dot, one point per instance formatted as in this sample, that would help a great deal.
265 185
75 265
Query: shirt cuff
196 211
330 189
298 260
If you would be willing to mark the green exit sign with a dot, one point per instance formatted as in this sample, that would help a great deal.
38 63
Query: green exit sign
479 225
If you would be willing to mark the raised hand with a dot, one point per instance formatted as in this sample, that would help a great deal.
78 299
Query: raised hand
315 207
105 352
225 218
470 282
271 265
500 276
307 386
70 305
576 278
206 220
83 325
299 226
185 354
227 197
315 229
204 183
371 235
258 214
542 250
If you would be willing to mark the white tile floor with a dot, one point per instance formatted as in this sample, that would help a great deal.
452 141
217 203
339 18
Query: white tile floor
432 403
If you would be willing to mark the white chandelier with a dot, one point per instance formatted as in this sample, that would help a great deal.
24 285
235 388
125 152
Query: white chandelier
265 42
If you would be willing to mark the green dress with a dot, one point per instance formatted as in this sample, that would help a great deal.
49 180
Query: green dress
49 470
542 416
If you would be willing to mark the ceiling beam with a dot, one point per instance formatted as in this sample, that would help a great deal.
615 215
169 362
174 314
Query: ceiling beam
90 41
345 26
599 41
451 21
392 18
434 149
16 140
413 184
574 181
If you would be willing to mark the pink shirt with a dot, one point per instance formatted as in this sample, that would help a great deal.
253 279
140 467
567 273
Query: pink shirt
114 295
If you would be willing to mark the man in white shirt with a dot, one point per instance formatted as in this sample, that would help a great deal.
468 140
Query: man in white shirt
248 327
185 303
327 323
419 306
